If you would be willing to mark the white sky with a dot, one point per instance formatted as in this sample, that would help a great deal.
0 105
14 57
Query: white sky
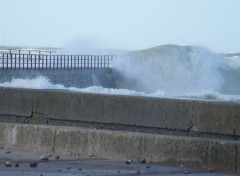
123 24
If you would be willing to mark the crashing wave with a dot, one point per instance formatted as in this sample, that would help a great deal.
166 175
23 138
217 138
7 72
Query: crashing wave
176 70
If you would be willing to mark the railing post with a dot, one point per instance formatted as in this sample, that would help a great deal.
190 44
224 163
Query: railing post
11 60
104 62
64 61
23 61
35 61
50 60
42 60
53 61
7 61
27 60
97 62
57 61
75 61
61 62
19 59
81 61
3 61
89 61
15 61
46 62
39 63
84 61
92 62
30 60
68 62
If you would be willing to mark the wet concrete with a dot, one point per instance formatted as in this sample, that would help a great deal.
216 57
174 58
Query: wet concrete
76 165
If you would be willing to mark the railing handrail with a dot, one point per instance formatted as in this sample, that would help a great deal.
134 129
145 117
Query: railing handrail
54 61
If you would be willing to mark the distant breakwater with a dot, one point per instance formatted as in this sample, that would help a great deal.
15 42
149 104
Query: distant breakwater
69 70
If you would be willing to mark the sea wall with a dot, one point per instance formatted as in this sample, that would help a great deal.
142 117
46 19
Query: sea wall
204 153
80 78
46 106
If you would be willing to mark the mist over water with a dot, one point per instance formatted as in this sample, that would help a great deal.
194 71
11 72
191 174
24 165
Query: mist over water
165 71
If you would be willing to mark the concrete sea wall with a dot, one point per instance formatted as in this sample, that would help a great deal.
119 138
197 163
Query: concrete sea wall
40 106
220 121
199 152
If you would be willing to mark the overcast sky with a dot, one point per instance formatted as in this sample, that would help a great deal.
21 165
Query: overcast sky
122 24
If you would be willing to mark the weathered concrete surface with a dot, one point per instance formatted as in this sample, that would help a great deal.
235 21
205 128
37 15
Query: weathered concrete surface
201 152
16 102
38 138
188 115
202 116
217 117
111 109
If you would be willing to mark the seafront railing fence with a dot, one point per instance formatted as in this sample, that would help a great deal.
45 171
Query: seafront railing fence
49 61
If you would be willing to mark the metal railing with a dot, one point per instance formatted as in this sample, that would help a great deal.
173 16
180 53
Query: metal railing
41 61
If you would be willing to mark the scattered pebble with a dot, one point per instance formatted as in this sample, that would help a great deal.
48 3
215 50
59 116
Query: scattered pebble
26 121
138 172
143 161
57 157
33 164
128 162
44 157
47 121
77 155
8 164
211 170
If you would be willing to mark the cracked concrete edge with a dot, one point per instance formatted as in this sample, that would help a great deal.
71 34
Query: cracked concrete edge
203 152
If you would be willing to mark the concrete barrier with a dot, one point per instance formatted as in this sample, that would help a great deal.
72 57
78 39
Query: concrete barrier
16 102
184 115
201 116
200 152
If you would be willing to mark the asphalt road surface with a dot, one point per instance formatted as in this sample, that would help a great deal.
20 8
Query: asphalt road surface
22 163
